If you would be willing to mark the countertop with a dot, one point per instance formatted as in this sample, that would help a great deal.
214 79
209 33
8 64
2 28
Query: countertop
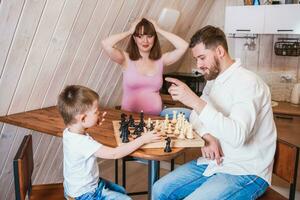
285 108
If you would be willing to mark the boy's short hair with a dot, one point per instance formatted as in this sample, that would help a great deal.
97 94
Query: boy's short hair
210 36
73 100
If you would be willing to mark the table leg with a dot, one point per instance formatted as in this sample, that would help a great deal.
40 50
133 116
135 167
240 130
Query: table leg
293 185
153 175
116 171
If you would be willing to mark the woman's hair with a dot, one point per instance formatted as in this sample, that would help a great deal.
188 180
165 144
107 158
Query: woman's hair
73 100
210 36
132 48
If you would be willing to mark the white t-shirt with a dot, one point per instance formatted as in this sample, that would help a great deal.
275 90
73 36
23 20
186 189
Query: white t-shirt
81 173
239 114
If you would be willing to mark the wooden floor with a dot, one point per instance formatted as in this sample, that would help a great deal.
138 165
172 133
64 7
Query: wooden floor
136 177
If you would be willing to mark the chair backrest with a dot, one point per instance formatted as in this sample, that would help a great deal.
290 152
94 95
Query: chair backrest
286 164
23 168
285 161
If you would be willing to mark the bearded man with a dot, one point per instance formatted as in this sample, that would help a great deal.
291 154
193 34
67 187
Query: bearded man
234 116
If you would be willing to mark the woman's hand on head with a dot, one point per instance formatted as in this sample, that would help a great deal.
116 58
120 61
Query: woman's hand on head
133 25
157 28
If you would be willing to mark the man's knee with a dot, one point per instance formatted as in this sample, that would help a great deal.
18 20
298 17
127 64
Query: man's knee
158 191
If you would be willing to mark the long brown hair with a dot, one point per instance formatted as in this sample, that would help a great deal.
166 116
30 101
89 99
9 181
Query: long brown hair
132 48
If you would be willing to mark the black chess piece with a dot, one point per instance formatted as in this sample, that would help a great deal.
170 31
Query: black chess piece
151 127
168 145
138 130
123 116
125 132
131 121
142 122
123 119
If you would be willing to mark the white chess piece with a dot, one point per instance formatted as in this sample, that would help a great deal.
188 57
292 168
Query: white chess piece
166 121
189 134
169 131
176 131
149 123
174 120
156 127
181 135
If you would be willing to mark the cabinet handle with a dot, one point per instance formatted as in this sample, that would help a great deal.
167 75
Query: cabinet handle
285 30
243 30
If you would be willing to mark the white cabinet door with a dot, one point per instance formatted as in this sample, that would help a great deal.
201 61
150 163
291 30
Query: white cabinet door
244 19
282 19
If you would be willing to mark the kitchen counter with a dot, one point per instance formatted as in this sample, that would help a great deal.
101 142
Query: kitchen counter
288 130
285 108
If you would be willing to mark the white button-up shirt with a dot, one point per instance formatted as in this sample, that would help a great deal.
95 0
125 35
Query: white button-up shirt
239 114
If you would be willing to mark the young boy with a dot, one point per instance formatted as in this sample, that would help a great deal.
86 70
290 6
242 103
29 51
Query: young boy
79 108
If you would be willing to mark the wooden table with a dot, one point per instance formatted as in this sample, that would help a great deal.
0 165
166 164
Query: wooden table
48 120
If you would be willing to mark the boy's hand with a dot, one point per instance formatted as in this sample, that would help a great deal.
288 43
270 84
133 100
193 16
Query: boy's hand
151 137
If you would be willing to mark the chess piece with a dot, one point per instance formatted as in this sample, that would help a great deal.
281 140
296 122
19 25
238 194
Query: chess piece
138 130
181 134
149 123
156 127
174 120
176 131
166 121
124 132
142 122
169 131
189 133
151 127
168 145
131 122
123 119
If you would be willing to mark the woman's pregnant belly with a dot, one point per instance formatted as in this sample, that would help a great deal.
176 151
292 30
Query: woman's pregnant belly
147 101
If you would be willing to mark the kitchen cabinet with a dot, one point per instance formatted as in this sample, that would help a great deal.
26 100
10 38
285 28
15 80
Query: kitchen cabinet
244 19
264 19
282 19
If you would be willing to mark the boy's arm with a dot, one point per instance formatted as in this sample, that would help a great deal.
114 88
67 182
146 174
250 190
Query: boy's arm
127 148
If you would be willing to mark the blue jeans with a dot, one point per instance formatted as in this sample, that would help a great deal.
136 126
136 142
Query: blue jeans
188 182
170 110
106 190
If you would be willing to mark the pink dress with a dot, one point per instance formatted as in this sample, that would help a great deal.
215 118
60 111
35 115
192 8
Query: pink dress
141 92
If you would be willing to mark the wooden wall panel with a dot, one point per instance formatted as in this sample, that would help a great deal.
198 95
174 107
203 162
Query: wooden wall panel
53 56
10 11
19 50
71 48
89 67
36 56
85 48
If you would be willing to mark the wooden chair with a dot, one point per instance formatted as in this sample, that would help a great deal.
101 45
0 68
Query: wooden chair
285 167
23 168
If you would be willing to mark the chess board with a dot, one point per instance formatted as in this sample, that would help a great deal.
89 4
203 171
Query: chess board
197 141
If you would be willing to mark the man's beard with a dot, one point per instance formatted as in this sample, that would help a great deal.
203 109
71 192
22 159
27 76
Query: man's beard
213 71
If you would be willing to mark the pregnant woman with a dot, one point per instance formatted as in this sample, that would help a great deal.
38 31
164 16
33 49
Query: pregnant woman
142 64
